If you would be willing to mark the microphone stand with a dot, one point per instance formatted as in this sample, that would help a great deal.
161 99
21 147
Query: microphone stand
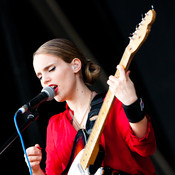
32 116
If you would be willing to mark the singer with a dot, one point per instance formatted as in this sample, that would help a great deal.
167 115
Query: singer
128 138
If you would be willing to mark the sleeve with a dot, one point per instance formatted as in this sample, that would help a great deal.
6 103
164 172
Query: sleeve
143 146
53 163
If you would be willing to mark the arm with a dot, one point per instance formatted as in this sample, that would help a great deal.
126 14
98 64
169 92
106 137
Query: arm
140 128
124 90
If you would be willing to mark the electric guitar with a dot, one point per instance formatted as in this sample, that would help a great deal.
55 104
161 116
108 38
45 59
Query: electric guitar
85 151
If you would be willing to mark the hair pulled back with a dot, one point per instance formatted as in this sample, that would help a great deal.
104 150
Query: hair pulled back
67 51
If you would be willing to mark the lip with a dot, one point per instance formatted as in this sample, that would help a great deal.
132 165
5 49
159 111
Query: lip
54 86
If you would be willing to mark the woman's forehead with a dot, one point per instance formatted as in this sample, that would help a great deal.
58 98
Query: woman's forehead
43 60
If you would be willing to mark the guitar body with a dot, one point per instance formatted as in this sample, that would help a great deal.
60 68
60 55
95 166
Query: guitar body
78 145
74 167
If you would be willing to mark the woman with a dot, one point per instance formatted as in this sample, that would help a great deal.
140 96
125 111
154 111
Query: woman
127 139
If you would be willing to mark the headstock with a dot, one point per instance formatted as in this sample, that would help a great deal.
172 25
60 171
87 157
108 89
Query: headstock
141 32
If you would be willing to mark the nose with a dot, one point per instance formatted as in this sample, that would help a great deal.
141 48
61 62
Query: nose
45 80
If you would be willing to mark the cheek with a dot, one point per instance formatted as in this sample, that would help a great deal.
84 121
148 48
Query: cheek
65 76
66 88
65 80
68 80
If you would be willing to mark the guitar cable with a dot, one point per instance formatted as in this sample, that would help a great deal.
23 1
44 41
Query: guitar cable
22 142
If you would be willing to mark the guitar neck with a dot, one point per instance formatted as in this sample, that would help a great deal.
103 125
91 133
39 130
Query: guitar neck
138 38
92 146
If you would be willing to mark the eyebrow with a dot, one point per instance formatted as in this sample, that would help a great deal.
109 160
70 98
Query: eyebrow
45 69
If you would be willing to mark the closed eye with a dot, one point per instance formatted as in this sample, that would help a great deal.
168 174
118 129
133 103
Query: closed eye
40 78
48 68
52 68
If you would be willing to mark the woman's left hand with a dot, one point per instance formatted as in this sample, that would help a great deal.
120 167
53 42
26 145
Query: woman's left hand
122 87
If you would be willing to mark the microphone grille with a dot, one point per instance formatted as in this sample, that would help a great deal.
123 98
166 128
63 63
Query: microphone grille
50 92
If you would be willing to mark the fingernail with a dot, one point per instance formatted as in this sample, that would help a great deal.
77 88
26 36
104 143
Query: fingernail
39 147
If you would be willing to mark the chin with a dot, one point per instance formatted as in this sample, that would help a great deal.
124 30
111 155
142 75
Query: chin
58 99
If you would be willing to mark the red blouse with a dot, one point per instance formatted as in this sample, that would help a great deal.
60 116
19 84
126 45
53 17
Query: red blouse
123 150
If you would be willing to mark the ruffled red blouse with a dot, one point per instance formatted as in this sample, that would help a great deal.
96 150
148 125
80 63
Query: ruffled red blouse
123 150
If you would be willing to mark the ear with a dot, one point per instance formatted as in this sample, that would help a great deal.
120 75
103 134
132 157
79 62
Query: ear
76 65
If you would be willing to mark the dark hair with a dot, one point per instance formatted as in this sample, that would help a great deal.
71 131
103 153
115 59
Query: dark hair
67 51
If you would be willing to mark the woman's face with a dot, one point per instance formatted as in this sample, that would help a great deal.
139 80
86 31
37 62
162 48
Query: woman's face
52 70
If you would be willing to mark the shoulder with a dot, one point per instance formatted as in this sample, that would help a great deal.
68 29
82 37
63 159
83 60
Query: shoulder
58 119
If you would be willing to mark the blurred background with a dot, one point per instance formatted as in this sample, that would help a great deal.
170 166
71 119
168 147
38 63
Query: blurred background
100 28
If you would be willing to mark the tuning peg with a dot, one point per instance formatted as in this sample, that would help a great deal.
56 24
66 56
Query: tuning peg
147 14
141 23
142 16
135 33
131 37
137 27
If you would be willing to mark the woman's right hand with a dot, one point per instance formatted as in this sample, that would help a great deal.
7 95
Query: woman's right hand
34 155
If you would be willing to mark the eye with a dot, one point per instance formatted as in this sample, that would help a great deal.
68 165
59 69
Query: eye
40 78
52 68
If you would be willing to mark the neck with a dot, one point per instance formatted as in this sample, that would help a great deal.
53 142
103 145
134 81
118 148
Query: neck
79 100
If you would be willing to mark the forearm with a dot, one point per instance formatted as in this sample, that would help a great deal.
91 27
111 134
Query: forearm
140 128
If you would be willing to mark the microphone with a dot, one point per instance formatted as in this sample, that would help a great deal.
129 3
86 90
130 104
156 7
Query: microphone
47 94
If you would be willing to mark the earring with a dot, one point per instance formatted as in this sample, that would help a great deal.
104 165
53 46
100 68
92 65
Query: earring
75 66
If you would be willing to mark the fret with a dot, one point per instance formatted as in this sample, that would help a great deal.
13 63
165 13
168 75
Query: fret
96 128
88 147
87 152
125 58
92 137
84 159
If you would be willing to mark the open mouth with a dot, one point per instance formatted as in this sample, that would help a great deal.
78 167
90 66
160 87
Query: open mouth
54 86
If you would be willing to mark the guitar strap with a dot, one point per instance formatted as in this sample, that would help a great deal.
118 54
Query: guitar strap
96 104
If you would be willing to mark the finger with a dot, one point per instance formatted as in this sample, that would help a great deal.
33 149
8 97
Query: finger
112 80
109 82
34 158
34 164
38 146
31 151
122 72
113 83
128 73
